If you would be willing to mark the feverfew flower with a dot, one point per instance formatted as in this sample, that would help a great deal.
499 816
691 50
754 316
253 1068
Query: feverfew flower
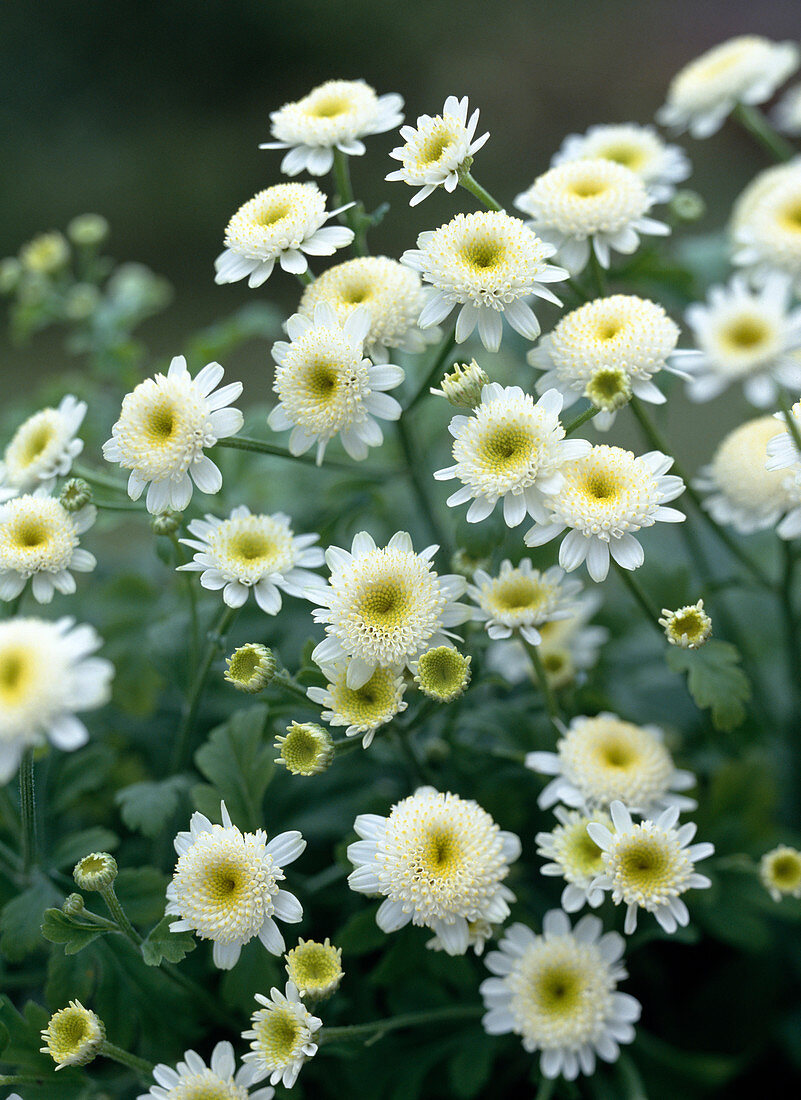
47 673
619 333
487 263
384 606
589 202
255 552
602 759
282 1037
688 627
783 454
442 673
605 497
787 112
164 427
225 886
746 69
335 115
780 872
766 225
521 598
558 992
42 449
192 1079
511 449
362 709
74 1036
250 668
315 968
285 223
39 542
639 148
574 856
305 749
650 865
463 385
327 386
435 152
744 335
439 860
478 932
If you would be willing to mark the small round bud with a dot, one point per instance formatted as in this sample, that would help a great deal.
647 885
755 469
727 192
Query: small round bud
45 254
466 564
689 627
81 301
166 523
73 905
442 673
74 1036
558 665
462 386
88 229
10 272
306 749
687 206
96 871
75 494
250 667
609 389
315 968
780 871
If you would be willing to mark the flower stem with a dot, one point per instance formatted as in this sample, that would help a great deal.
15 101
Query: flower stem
305 278
243 443
353 216
792 423
284 680
546 1087
191 595
752 119
97 478
412 1019
551 704
13 606
27 803
117 1054
788 615
114 907
649 609
420 484
443 352
582 418
598 274
481 193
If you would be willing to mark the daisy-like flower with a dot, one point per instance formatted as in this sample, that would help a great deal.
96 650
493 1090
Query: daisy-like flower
255 552
780 872
488 263
602 759
744 335
327 386
282 1037
744 492
286 223
574 856
511 449
192 1079
766 225
335 115
650 865
393 294
315 969
47 673
251 667
384 606
463 385
442 673
640 148
589 202
225 886
362 709
39 542
305 749
783 455
439 860
621 332
688 627
558 992
434 153
787 112
521 598
42 449
74 1036
746 69
164 427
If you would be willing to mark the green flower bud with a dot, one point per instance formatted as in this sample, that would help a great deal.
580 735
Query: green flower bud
166 523
689 627
307 749
75 494
74 1036
315 968
88 229
442 673
462 386
609 389
96 871
250 667
73 905
45 254
687 206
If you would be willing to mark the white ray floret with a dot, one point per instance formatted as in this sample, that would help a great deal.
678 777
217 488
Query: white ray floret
39 542
639 148
363 709
573 856
282 1037
780 872
522 599
192 1079
42 449
766 225
786 114
558 992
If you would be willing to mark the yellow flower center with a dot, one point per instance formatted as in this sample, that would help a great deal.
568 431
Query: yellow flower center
617 753
30 533
321 380
583 853
441 854
504 448
791 216
644 864
160 424
329 107
587 188
250 546
244 663
383 604
746 333
601 485
36 442
273 213
70 1030
627 155
786 871
435 145
484 254
16 670
558 990
519 594
277 1034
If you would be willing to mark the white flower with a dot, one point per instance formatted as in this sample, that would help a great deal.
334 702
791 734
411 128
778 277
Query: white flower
650 865
603 758
574 856
285 223
522 599
192 1079
488 263
780 872
605 497
621 332
363 709
39 541
74 1036
786 114
225 886
688 627
42 449
583 202
558 992
744 335
335 115
393 294
746 69
47 673
384 606
327 386
282 1037
638 148
439 860
511 449
478 932
766 225
434 153
253 551
164 426
783 454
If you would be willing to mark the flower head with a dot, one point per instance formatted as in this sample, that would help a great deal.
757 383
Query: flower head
522 598
689 627
442 673
46 254
286 223
282 1037
250 667
225 886
362 709
487 263
639 148
39 542
74 1036
192 1079
780 872
787 112
75 494
463 385
558 992
434 153
305 749
574 856
766 225
42 449
439 860
164 427
315 969
97 871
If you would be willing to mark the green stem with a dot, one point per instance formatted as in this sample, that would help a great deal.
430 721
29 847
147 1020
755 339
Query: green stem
412 1019
443 352
243 443
788 615
27 803
649 609
13 606
752 119
582 418
598 274
95 477
420 484
191 595
546 1087
118 505
792 423
345 193
344 745
551 704
120 916
23 1079
284 680
117 1054
305 278
481 193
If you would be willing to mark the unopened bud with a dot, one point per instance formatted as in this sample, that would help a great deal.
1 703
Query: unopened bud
689 627
76 494
73 1036
462 386
306 749
96 871
166 523
250 667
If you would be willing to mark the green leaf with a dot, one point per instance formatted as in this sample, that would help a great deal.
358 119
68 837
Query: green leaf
361 934
715 680
471 1067
20 1040
72 932
21 920
238 763
161 943
147 807
77 845
141 891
